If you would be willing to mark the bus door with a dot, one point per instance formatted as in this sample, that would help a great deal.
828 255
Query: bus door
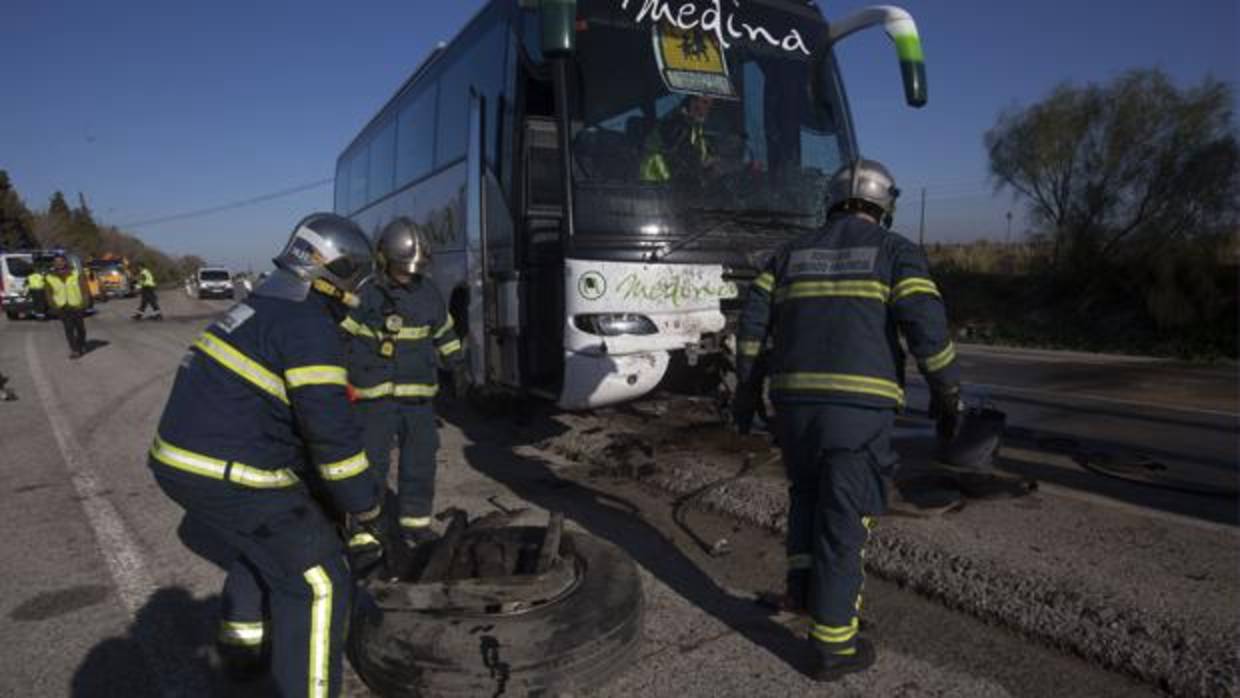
541 251
492 262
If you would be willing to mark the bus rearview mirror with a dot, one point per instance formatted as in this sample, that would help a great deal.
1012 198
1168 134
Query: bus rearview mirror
559 27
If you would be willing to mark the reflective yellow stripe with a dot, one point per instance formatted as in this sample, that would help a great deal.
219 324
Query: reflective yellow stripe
834 634
838 382
412 333
800 562
750 347
765 281
303 376
450 348
362 540
345 469
252 371
447 327
214 468
415 390
240 634
875 290
941 360
914 285
389 389
319 673
356 328
415 521
374 392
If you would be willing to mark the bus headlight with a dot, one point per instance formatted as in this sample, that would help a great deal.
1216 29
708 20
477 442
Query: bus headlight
615 324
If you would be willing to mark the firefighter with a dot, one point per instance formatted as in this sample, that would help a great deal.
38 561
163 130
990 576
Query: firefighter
36 285
678 146
825 319
146 286
67 296
258 443
399 335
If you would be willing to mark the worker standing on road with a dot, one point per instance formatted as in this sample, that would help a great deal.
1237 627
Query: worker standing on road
400 334
36 285
146 286
67 297
826 316
257 416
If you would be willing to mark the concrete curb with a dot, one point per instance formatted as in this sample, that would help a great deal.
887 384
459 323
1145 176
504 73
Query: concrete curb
1148 643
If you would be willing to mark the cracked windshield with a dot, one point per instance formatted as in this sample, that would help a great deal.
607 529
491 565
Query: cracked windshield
695 128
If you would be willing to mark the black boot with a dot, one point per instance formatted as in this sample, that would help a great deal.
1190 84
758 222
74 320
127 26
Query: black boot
829 667
238 664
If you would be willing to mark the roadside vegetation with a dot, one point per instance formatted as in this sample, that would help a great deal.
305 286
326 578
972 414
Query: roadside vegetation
1134 189
76 230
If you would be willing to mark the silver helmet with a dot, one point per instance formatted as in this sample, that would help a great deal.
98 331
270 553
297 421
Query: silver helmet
865 181
330 253
404 248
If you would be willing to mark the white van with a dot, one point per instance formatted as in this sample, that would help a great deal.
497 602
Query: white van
215 282
14 268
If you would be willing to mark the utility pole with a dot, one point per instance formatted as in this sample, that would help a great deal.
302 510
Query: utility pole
921 235
1009 227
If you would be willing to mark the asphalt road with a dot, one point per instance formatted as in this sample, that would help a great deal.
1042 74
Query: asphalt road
103 597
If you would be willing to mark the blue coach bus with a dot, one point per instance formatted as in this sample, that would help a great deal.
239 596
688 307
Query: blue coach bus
600 177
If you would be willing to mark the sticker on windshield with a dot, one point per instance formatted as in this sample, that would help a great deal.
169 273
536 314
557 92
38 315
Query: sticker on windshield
691 62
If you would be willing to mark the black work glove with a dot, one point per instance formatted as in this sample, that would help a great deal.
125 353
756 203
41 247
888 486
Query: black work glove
383 527
946 410
744 407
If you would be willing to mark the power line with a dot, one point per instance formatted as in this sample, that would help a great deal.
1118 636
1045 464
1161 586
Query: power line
262 198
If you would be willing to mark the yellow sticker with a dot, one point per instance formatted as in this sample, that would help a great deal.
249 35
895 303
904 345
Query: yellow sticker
388 349
692 62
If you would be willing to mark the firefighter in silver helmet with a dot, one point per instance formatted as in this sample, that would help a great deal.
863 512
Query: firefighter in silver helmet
400 335
825 319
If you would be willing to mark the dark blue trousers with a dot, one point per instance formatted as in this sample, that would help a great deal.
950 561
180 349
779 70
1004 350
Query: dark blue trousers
289 589
835 456
410 427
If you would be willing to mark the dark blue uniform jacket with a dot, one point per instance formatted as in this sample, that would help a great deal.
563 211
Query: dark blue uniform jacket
260 401
828 312
422 341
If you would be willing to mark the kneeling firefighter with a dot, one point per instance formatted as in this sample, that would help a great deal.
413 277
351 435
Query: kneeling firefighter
258 419
399 336
826 317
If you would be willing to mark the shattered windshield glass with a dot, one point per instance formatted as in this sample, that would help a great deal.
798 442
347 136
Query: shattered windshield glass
674 123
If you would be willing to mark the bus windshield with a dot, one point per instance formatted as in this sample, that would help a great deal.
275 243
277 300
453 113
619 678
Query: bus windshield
678 129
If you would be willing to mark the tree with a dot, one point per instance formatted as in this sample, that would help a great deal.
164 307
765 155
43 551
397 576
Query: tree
16 222
1137 164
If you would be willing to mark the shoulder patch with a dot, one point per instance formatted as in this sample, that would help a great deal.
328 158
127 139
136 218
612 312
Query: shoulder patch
236 317
832 262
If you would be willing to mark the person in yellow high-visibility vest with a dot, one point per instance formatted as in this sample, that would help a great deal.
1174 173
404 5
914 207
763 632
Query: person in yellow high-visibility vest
678 146
67 296
36 286
146 286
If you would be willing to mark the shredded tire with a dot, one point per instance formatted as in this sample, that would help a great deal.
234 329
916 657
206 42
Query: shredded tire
575 643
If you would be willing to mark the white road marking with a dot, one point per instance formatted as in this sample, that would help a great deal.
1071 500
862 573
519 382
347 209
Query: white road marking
133 583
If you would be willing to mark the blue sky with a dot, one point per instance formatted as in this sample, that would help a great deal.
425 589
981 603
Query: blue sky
154 108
